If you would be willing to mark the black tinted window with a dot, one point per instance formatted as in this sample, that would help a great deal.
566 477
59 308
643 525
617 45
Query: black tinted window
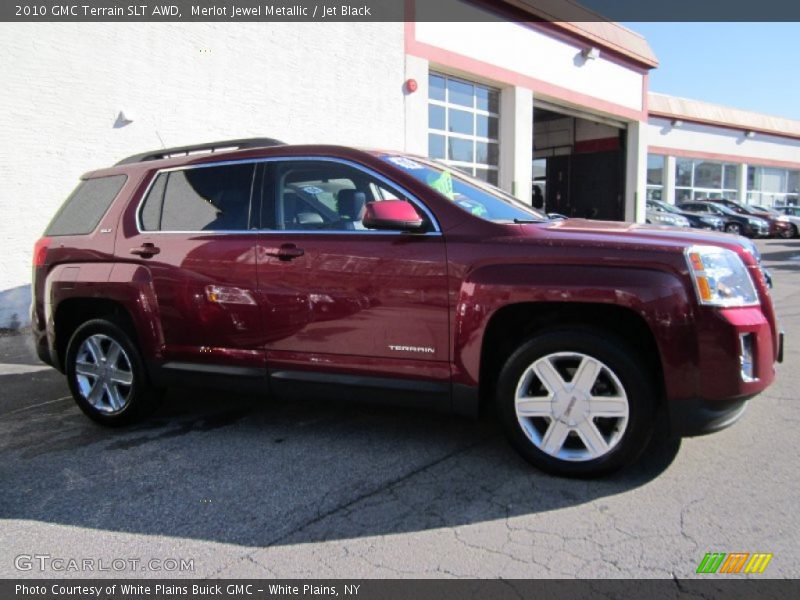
201 199
83 210
151 211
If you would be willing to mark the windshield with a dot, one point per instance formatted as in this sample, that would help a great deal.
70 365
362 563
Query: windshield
663 206
725 209
469 194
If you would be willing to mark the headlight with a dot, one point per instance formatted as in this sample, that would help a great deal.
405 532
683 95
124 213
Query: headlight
682 222
783 219
720 277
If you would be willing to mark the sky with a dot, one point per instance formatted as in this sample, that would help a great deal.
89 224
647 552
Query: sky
754 66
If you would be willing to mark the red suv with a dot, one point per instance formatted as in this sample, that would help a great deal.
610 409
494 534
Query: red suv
335 272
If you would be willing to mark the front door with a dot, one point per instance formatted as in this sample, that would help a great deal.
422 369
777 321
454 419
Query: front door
338 297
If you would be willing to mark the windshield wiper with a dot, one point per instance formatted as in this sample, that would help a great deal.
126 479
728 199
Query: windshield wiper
526 221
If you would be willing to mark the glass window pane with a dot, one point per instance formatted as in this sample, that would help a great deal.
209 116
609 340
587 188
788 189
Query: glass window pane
683 195
730 181
708 175
683 172
773 180
435 117
208 199
460 92
751 178
436 87
654 193
151 211
436 146
655 169
460 150
487 175
460 121
794 182
487 99
486 126
82 211
486 153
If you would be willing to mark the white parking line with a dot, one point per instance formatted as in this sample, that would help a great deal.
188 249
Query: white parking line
24 408
11 369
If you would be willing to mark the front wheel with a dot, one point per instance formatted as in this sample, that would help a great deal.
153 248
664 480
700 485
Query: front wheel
106 374
789 232
733 228
576 403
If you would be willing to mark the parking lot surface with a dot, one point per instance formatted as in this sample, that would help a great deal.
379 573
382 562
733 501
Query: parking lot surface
238 486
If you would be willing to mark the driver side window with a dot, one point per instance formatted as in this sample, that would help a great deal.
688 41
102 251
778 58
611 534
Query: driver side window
308 195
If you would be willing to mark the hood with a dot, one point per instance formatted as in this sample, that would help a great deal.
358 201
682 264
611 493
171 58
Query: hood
650 237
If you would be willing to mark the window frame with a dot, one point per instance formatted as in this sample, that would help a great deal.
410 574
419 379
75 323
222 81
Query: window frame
159 172
258 175
67 201
471 168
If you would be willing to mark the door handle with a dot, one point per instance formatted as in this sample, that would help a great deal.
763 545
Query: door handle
286 252
146 250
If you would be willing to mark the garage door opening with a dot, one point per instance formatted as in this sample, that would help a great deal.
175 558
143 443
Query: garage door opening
578 164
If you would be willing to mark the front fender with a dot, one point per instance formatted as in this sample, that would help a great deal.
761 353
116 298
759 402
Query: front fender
660 298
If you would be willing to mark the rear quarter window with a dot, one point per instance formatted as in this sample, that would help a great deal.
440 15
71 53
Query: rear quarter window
84 208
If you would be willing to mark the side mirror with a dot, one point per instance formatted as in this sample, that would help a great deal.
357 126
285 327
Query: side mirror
394 215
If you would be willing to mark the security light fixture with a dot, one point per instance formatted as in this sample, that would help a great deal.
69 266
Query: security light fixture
677 122
750 134
591 53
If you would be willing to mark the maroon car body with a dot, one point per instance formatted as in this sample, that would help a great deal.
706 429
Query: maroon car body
423 318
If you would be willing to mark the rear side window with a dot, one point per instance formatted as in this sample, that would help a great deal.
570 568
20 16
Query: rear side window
83 210
200 199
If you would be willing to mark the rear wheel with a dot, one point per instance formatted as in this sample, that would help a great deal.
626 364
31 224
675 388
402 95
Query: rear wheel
734 228
106 374
789 232
576 403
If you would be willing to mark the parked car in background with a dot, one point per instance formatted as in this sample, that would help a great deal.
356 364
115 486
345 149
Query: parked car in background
779 225
333 272
709 222
794 220
658 216
789 211
748 226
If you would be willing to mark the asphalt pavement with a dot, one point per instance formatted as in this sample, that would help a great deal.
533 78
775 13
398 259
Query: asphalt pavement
219 485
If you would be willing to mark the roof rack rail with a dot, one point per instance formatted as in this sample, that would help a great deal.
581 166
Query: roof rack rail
239 144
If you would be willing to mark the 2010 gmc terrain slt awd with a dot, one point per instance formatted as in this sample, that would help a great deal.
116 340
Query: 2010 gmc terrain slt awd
333 271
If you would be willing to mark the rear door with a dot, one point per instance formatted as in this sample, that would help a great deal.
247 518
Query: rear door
194 236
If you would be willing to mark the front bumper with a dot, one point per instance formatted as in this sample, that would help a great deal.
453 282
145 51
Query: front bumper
761 230
728 376
699 417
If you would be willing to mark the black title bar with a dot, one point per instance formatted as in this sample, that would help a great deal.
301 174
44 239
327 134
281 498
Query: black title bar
365 11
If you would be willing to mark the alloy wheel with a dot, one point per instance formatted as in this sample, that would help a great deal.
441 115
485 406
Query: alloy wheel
104 374
572 406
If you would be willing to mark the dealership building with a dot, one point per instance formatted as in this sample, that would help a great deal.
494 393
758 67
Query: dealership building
520 102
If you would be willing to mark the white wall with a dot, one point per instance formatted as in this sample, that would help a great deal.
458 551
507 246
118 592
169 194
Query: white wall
63 85
519 48
717 140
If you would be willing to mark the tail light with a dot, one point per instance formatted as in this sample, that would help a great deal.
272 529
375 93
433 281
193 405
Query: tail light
40 251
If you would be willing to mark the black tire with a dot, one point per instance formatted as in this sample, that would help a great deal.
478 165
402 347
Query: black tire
734 228
141 398
789 233
634 376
